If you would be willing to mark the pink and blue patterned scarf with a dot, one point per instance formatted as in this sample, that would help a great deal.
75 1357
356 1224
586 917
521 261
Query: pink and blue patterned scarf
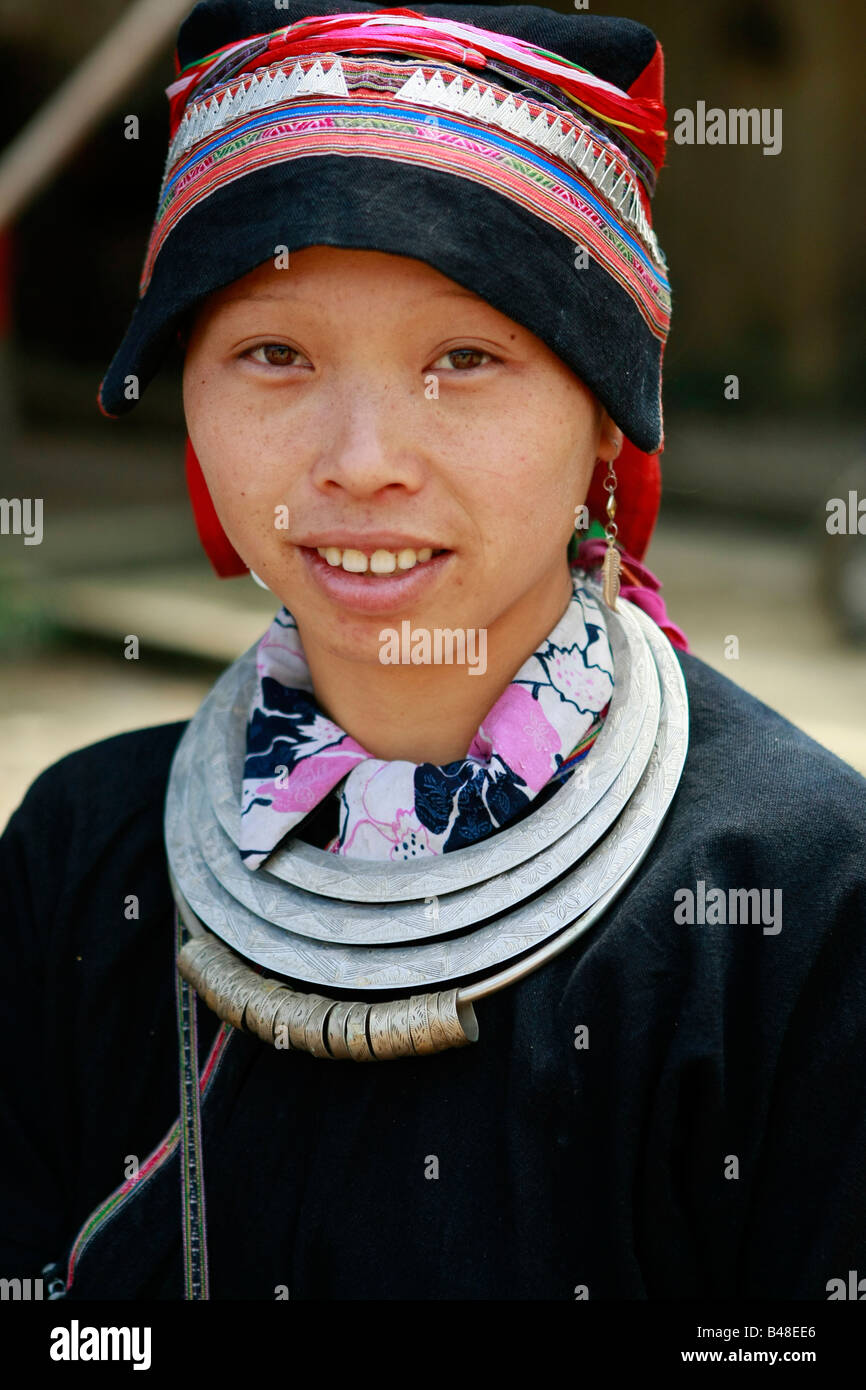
541 726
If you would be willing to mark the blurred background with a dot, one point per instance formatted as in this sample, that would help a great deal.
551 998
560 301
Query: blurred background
767 266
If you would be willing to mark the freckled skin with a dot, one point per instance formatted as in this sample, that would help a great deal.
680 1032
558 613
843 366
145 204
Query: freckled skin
340 430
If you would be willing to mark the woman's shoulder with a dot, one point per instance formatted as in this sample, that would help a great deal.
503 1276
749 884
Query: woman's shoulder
742 747
89 833
761 802
107 781
97 792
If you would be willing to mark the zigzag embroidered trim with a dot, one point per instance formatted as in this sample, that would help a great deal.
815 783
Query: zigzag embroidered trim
565 138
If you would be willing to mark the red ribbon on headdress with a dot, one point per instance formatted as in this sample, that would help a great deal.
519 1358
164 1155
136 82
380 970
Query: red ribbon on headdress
642 115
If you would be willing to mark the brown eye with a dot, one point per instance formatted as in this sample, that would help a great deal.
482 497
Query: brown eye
275 354
463 359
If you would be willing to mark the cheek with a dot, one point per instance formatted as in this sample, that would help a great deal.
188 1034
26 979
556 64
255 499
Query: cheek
545 454
242 453
230 451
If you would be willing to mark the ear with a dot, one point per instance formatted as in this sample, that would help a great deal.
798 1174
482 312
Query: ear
638 493
610 439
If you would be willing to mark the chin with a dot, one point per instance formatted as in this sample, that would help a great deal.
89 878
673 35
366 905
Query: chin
348 640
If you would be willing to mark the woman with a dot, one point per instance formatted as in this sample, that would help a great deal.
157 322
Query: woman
469 814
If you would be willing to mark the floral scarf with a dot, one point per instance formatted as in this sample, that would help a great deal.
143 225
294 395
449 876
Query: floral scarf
541 726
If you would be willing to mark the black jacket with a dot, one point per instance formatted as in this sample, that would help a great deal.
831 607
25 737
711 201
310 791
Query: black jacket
709 1140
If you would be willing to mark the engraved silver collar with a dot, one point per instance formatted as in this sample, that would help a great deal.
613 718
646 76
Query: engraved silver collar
464 924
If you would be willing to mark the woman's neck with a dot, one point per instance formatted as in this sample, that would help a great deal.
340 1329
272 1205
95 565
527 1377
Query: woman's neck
430 712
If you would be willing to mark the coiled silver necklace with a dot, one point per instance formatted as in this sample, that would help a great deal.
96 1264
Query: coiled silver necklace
467 923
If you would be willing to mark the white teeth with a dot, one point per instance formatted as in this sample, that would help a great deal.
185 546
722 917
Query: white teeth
380 562
383 561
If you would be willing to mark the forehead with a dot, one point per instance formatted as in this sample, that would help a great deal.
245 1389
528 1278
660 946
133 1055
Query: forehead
318 273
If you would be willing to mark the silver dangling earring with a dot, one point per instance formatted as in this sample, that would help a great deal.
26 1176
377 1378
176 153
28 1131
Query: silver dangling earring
261 583
611 566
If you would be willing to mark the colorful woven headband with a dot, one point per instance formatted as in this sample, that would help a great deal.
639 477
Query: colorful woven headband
537 135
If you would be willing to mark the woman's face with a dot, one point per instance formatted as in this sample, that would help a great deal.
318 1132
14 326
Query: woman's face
365 405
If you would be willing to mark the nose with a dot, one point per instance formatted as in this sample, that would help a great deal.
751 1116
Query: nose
371 440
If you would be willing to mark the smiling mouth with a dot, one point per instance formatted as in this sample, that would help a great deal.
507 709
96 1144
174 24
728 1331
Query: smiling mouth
380 562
